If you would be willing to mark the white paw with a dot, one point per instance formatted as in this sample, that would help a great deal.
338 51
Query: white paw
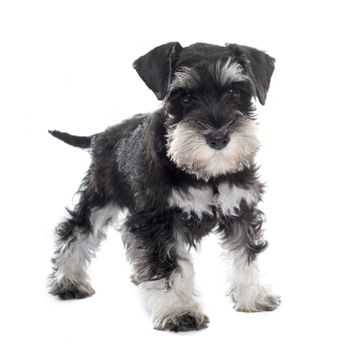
255 298
181 321
268 302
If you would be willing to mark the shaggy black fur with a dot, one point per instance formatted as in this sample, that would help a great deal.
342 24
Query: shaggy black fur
143 187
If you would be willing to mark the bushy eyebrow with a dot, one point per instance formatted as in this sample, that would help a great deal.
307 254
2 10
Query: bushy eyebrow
185 78
227 72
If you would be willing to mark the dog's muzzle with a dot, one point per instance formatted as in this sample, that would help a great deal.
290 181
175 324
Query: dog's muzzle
217 141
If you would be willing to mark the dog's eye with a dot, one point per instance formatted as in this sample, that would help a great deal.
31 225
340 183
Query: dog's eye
235 91
186 97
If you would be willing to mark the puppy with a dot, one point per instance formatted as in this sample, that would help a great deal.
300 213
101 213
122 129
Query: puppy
179 173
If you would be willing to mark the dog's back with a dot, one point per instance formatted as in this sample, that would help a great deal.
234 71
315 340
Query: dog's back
114 154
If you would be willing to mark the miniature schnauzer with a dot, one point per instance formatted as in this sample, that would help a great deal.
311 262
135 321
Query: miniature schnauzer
179 173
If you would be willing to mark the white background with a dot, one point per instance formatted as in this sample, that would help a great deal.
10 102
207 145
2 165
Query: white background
66 65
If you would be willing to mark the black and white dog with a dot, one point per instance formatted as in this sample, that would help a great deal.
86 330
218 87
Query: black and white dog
181 172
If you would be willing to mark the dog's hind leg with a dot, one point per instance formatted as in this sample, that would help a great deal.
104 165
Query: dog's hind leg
77 239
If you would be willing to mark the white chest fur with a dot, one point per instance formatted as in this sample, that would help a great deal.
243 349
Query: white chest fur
202 200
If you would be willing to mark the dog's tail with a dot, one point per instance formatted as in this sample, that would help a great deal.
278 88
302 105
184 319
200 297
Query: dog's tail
76 141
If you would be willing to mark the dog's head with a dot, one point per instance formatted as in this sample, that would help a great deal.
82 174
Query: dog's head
207 92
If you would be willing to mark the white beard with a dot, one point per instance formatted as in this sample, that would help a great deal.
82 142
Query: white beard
189 150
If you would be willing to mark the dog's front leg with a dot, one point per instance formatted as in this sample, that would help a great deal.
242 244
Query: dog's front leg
163 270
242 238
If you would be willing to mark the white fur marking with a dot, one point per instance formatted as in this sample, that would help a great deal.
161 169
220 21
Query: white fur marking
201 200
197 200
231 196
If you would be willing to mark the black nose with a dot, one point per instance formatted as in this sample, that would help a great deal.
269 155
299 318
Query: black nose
217 142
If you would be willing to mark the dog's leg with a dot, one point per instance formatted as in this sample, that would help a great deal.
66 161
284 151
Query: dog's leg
243 241
78 238
163 270
171 300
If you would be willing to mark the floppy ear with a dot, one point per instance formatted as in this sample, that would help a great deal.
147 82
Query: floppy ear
155 68
259 67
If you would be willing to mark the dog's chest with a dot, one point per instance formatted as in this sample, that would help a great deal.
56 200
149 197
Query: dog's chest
225 198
